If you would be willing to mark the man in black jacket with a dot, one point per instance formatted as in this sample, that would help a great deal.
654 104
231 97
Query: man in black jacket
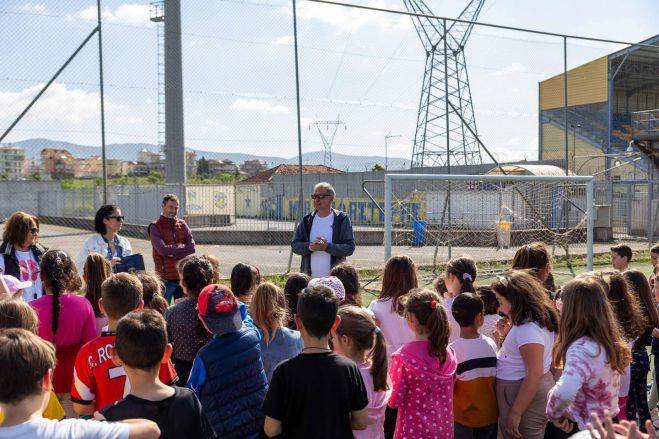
324 237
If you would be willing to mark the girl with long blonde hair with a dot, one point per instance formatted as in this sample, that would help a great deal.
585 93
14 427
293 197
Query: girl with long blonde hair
270 314
592 352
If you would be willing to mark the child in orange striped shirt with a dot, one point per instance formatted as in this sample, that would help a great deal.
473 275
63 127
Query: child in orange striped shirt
474 399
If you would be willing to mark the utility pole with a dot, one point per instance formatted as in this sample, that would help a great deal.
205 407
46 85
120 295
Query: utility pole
386 154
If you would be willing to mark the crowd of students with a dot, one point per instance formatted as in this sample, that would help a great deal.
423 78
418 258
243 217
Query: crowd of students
105 355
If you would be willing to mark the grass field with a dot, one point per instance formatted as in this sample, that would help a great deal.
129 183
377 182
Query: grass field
371 279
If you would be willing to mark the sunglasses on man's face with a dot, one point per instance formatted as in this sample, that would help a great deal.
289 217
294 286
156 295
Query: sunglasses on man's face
320 196
117 217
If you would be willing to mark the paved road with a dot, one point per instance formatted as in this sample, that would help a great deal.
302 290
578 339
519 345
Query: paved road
273 259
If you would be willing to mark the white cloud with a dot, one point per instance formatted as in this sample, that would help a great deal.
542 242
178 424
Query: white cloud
259 105
512 68
285 40
59 104
351 19
130 14
513 141
34 8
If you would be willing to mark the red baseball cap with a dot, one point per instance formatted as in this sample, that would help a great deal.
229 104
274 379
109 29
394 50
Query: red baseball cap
219 309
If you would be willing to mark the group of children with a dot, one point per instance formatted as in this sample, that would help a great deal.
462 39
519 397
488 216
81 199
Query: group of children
518 358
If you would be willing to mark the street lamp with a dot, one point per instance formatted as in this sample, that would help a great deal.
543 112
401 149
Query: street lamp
574 144
386 155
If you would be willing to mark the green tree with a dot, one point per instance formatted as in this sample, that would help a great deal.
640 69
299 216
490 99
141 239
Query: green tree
377 167
202 166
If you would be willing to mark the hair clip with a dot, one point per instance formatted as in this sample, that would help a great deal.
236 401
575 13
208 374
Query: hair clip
503 280
376 330
467 276
433 304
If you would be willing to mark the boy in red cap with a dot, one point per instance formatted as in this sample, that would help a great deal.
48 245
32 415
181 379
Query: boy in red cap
227 374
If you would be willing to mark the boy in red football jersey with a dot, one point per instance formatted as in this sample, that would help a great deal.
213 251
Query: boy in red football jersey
97 381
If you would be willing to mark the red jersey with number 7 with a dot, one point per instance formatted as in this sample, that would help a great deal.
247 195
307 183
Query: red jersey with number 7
97 380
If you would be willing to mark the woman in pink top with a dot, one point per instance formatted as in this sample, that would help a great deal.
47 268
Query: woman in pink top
592 352
65 319
423 371
358 338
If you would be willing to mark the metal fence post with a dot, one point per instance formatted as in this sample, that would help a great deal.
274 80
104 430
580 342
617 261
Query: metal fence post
387 217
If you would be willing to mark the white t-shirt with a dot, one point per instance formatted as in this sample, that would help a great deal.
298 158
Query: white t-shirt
455 327
321 261
29 271
66 429
393 326
510 365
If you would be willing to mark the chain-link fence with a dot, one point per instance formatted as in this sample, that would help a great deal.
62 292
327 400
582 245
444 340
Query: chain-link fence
370 98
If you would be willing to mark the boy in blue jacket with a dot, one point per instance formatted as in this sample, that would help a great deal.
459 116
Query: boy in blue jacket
227 374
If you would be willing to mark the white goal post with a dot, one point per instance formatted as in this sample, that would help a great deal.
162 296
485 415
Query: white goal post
472 209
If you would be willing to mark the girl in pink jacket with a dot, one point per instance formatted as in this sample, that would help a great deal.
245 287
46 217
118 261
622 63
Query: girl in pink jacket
423 371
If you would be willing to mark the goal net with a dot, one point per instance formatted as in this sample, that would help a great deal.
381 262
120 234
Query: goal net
435 217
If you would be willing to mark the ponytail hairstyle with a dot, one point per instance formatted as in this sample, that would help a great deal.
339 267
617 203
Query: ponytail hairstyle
268 309
624 304
360 326
59 275
464 269
215 262
152 291
640 288
587 312
398 278
426 306
95 271
196 272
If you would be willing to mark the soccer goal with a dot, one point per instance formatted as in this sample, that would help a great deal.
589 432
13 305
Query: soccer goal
435 217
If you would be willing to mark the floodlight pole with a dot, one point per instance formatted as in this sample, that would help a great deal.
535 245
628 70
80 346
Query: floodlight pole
100 70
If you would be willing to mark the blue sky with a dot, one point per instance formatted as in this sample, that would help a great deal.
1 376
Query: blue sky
238 71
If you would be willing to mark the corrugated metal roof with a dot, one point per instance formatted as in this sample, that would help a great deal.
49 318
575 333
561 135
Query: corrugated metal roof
266 176
528 170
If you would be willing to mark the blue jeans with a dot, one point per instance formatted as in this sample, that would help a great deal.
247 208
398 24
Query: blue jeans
464 432
172 290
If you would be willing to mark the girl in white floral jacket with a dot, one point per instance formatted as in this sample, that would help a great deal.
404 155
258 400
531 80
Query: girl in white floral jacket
593 353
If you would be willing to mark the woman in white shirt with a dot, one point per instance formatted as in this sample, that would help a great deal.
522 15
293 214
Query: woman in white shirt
524 360
106 241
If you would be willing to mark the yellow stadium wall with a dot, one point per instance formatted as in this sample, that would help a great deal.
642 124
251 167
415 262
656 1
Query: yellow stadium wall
586 84
553 148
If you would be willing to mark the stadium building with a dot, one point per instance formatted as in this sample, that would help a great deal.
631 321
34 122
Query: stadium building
601 97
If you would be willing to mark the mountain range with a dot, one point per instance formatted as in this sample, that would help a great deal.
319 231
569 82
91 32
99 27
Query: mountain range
129 151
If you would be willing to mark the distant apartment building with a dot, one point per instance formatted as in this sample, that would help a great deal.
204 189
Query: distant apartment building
148 161
58 163
253 167
217 166
89 167
12 160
